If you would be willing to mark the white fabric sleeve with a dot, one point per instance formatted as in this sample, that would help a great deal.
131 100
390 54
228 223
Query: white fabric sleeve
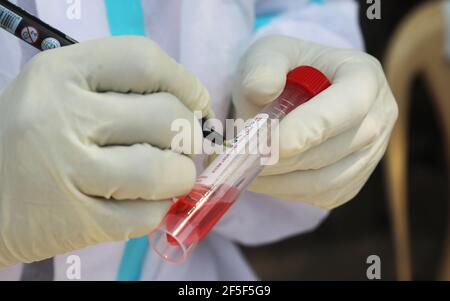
258 219
10 61
10 58
334 23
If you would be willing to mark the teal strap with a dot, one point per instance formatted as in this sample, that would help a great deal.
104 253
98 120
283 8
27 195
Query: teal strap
127 18
133 258
264 20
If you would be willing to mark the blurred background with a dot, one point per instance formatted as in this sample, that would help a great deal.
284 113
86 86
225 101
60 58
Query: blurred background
409 190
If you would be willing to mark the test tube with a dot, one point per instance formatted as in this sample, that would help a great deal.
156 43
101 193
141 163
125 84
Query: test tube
191 217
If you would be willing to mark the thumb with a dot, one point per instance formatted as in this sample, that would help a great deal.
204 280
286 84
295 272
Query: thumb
262 75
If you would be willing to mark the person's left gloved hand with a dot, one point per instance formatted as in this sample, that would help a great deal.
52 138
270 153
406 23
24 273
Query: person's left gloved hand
86 152
329 146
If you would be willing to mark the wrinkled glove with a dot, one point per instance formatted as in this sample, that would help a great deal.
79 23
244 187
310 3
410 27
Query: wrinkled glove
330 145
85 146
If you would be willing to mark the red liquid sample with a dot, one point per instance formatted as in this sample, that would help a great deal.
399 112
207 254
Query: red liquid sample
204 214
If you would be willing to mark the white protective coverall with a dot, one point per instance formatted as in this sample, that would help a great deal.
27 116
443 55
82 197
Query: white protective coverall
208 37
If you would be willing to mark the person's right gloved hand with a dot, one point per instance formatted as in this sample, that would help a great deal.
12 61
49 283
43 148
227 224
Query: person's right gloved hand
85 146
329 146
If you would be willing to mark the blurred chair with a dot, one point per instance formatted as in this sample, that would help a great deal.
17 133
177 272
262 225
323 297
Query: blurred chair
416 48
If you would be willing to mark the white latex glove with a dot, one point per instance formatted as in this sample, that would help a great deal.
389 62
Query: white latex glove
84 146
330 145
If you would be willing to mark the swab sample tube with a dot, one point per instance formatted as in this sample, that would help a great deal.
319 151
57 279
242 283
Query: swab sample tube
191 217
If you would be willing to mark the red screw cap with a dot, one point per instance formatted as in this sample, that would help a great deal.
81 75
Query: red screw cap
309 79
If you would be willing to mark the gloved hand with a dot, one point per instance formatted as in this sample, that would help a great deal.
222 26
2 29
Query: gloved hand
330 145
85 146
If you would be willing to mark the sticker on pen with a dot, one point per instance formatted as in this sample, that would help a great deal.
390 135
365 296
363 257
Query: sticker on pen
50 43
29 34
9 20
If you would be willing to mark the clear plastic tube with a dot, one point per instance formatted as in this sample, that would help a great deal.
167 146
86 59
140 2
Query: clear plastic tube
191 217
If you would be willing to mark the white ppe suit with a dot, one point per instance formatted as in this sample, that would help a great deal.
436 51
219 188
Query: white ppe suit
208 37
